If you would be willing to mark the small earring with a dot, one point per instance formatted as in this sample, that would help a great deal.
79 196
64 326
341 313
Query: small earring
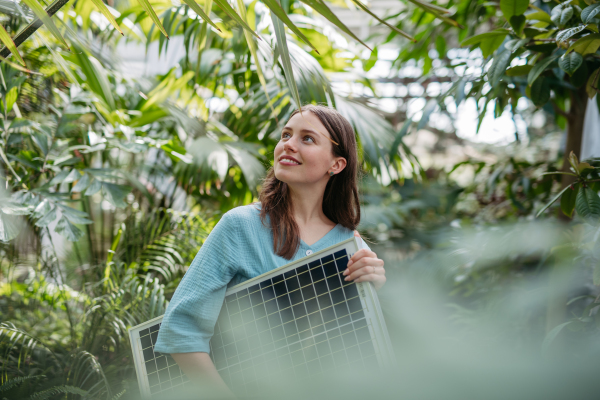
331 173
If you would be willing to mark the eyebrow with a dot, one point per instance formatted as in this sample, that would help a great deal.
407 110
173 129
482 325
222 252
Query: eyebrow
305 130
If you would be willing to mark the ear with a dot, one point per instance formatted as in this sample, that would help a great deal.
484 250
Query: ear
338 165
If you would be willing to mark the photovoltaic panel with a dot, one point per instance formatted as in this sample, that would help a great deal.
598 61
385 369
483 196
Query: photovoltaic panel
299 320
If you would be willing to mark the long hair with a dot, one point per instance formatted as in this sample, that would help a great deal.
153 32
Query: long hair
340 200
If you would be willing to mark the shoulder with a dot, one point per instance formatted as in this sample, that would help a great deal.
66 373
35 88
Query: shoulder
242 216
243 213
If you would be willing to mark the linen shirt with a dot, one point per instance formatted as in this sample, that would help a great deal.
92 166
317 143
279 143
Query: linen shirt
239 248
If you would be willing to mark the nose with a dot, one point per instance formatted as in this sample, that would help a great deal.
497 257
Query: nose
290 144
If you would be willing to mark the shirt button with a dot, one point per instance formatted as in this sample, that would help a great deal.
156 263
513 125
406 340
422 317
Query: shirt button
309 252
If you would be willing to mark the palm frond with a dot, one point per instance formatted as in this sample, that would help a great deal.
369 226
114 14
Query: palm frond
17 381
63 389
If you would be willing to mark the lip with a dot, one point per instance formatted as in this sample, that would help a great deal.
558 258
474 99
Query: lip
285 160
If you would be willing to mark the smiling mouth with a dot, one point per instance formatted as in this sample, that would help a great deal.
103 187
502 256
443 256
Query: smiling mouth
288 161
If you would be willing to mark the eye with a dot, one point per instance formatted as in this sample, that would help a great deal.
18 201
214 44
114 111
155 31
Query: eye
285 135
309 137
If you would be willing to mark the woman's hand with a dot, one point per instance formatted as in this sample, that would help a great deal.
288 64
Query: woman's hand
364 266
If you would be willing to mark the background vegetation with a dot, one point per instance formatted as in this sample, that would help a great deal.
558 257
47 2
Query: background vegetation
110 183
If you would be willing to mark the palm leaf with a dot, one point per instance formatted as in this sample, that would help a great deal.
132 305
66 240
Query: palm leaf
150 11
104 10
224 5
43 15
286 63
275 7
8 42
392 27
194 6
253 52
320 7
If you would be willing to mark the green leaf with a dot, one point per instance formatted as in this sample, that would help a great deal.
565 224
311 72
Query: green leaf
46 219
551 201
104 10
586 45
9 227
490 45
224 5
82 184
68 230
539 16
370 62
10 45
540 91
590 12
73 176
96 77
198 10
561 14
540 67
587 204
570 62
488 35
115 194
251 167
592 84
552 335
75 216
94 188
320 7
568 33
286 63
499 65
398 139
39 11
567 201
518 70
59 177
579 79
150 11
254 53
392 27
515 44
518 23
513 7
11 98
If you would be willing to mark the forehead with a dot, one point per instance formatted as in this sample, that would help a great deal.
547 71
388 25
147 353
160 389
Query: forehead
307 120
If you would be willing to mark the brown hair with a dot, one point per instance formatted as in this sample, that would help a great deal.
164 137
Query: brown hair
340 200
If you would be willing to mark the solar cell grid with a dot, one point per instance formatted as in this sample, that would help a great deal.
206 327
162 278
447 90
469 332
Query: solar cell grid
302 322
311 303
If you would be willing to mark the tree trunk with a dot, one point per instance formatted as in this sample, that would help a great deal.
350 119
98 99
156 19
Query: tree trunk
558 279
575 120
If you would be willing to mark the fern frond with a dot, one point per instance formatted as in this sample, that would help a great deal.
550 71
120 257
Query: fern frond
14 382
63 389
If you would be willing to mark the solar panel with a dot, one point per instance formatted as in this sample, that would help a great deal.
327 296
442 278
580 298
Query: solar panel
298 320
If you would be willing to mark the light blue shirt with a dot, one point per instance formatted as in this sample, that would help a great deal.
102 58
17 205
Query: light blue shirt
239 248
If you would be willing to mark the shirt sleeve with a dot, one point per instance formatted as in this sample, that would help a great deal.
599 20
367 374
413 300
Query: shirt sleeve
189 321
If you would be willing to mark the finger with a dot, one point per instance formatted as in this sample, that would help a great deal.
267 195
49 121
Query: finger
364 261
366 270
360 254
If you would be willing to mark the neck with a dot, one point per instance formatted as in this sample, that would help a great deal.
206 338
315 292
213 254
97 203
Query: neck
307 203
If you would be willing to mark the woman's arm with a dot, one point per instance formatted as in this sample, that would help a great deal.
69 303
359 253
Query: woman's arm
201 371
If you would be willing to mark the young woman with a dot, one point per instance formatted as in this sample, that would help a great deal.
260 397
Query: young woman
309 201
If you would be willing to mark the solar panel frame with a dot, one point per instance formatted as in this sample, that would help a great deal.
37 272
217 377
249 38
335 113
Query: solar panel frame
284 278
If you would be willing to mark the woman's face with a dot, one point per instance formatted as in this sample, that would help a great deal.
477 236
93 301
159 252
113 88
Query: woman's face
304 155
